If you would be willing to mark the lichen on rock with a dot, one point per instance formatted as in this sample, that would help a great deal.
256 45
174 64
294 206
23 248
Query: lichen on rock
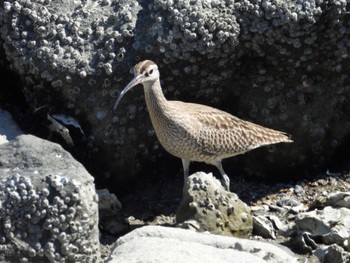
207 206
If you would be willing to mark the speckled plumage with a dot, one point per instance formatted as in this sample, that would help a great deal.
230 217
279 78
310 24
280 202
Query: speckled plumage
195 132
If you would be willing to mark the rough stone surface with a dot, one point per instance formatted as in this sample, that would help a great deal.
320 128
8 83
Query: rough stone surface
332 254
337 199
8 128
277 63
110 217
330 225
163 244
263 227
207 206
48 204
155 203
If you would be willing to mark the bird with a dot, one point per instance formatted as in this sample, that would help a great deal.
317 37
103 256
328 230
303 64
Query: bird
196 132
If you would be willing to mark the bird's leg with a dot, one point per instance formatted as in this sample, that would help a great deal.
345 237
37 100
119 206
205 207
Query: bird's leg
224 175
186 166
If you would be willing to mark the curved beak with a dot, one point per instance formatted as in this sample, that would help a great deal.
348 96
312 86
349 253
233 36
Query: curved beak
137 80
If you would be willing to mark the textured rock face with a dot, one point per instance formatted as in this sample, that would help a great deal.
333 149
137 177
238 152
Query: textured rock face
330 225
48 205
8 128
207 206
162 244
278 63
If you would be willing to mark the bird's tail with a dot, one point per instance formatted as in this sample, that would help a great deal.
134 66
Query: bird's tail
261 136
269 136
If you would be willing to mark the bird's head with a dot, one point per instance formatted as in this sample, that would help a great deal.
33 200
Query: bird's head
145 72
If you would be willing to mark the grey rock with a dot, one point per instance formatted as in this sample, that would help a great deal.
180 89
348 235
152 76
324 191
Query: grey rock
338 199
162 244
48 208
287 201
277 209
301 244
284 58
262 226
332 254
8 127
214 209
330 225
282 228
277 223
108 203
298 190
110 216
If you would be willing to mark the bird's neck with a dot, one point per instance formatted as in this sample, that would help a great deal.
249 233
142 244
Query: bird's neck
154 97
158 106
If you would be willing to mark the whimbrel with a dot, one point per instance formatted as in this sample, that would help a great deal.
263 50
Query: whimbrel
195 132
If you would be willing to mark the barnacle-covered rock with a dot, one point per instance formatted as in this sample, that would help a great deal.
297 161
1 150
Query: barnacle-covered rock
48 204
207 206
281 64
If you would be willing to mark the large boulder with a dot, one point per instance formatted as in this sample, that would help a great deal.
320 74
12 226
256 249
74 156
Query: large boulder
48 204
164 244
280 64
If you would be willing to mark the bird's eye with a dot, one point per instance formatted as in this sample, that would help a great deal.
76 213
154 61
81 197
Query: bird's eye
150 72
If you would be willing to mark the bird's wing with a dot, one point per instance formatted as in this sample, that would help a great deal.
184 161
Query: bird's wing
211 118
223 132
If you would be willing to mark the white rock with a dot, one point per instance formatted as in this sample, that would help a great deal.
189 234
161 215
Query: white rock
263 227
331 224
172 245
339 199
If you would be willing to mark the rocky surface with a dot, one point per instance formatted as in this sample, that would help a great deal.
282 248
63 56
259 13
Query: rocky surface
273 62
164 244
110 213
280 64
311 217
48 204
278 209
207 206
8 127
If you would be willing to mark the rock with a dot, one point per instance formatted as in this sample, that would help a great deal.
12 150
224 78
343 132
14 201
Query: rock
298 190
330 225
8 128
214 209
108 203
163 244
332 254
262 226
338 199
48 209
283 58
110 216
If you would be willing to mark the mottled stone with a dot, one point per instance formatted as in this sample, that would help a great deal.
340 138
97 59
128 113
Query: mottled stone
48 204
206 204
262 226
279 64
338 199
111 219
165 244
332 254
329 225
